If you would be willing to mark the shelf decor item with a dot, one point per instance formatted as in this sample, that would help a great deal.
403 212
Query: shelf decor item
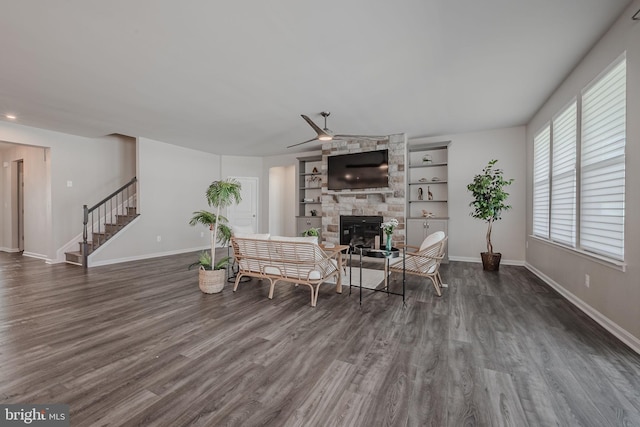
314 181
488 203
427 158
388 228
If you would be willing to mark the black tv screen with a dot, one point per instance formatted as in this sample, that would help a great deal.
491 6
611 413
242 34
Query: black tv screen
358 170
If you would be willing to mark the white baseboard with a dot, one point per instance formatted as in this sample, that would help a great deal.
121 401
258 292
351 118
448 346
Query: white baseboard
146 256
38 256
622 334
12 250
479 260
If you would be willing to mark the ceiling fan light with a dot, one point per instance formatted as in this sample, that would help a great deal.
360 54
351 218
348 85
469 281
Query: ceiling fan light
325 138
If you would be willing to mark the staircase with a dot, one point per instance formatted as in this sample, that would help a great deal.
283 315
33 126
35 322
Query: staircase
104 220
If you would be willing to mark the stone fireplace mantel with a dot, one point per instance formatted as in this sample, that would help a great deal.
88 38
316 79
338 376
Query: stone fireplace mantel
337 194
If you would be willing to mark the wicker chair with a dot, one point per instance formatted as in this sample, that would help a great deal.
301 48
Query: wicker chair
425 261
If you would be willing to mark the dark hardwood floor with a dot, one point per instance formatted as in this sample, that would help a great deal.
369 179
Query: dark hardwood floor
139 344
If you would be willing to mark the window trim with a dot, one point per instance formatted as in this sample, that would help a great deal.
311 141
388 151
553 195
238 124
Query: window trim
617 264
600 259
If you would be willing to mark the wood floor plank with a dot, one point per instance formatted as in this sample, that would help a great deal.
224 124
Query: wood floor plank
466 402
506 409
138 344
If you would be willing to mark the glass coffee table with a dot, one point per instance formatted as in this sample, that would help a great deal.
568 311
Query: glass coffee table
378 254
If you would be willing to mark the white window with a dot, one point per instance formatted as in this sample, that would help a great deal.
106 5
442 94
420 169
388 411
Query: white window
598 186
541 148
563 177
603 163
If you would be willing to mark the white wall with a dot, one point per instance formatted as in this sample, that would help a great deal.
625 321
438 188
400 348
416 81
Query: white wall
613 297
468 154
53 211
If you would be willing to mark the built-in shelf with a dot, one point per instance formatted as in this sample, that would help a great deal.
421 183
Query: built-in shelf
425 218
428 182
309 187
422 158
428 165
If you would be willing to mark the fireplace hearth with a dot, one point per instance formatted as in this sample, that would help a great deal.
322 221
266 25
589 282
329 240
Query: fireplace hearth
360 231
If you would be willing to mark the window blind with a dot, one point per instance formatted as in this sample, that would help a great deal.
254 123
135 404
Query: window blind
603 164
541 147
563 177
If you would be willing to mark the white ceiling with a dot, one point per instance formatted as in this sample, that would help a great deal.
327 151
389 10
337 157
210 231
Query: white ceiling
234 77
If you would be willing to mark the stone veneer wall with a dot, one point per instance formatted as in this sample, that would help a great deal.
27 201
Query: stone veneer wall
365 202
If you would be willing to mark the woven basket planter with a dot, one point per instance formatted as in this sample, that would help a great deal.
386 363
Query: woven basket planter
211 281
491 262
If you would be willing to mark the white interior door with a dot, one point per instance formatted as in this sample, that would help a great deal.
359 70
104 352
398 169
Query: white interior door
245 213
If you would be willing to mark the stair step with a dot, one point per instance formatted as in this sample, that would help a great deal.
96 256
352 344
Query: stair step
100 238
73 257
89 246
113 228
125 219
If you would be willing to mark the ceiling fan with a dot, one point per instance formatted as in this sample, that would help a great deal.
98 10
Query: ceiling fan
327 135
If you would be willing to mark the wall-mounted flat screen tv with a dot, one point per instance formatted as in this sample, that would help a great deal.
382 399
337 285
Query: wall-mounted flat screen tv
358 170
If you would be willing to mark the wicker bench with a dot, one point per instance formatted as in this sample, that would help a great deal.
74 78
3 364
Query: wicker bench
287 260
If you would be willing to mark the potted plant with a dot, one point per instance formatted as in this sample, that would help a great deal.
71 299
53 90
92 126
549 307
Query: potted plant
220 194
488 204
313 231
388 228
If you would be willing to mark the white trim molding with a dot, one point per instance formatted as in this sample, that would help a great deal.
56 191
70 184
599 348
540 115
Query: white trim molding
35 255
12 250
146 256
619 332
479 260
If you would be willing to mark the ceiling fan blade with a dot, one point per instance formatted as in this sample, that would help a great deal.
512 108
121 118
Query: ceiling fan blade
315 127
368 137
300 143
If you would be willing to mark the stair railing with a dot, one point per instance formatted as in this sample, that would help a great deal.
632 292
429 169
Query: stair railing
96 217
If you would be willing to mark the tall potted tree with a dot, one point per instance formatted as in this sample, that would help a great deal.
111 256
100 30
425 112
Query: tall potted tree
220 194
488 204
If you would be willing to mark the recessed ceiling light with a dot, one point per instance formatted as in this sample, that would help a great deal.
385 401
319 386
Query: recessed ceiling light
10 116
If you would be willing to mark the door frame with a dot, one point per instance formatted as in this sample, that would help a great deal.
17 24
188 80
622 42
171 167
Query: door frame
19 211
256 180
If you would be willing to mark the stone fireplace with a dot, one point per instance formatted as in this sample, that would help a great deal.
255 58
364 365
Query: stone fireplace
385 203
360 231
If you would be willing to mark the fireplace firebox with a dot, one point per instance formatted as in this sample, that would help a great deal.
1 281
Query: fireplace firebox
360 231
